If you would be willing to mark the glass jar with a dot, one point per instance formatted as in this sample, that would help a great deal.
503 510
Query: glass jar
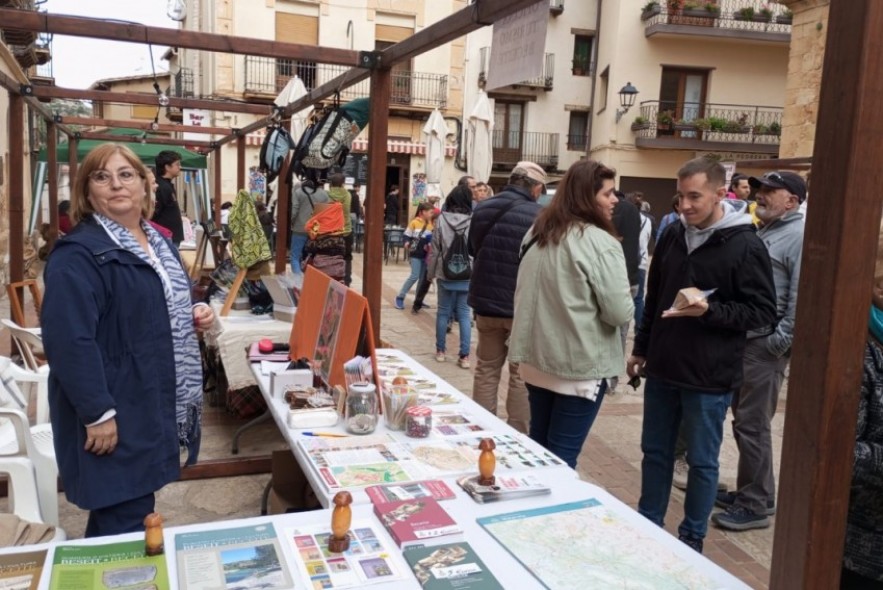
361 408
418 421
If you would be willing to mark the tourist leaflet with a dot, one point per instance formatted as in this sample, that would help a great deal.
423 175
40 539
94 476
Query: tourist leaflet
418 521
433 488
455 424
110 565
238 557
453 566
367 561
21 571
505 487
356 462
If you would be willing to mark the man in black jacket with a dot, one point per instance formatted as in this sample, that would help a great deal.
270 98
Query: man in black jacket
167 212
627 221
495 233
693 356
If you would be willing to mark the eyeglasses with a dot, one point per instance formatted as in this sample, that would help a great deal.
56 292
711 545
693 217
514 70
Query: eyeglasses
775 177
125 176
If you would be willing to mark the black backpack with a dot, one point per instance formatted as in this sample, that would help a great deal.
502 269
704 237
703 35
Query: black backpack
456 263
276 146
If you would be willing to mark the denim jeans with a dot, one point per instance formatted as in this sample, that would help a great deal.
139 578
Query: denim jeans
561 422
639 298
451 301
703 414
298 241
417 266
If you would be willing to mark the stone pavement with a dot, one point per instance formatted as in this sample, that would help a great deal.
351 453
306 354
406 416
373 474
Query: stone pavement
610 458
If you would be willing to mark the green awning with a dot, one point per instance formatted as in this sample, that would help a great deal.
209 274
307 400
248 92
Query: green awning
146 151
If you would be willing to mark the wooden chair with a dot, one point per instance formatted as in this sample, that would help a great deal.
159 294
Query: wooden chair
15 303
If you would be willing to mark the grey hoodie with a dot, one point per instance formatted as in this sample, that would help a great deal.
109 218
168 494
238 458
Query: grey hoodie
446 226
695 237
302 210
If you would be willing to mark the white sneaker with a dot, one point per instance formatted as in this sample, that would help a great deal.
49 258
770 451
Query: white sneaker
440 356
682 470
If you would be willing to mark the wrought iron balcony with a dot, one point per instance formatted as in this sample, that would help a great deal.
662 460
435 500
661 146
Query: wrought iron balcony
19 38
511 147
544 80
694 125
267 77
719 18
183 86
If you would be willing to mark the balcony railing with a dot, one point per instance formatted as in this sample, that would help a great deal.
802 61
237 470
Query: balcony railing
544 80
183 87
511 147
20 38
734 15
726 123
578 142
268 76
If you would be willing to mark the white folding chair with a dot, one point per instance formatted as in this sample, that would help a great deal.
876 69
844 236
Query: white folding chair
29 343
38 446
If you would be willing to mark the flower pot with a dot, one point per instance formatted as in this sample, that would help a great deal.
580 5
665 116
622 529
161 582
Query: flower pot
650 12
742 17
783 20
762 18
640 126
684 127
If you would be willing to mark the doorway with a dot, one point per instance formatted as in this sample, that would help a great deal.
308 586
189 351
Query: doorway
508 126
683 92
398 176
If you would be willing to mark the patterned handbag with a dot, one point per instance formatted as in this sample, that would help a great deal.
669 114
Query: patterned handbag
249 244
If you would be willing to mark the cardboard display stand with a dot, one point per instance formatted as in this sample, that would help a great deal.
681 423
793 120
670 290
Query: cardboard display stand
331 326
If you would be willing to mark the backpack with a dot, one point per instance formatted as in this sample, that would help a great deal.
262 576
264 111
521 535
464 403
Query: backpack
456 264
327 142
276 146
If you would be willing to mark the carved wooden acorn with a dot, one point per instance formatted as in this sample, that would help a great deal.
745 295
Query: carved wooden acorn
487 462
153 541
341 518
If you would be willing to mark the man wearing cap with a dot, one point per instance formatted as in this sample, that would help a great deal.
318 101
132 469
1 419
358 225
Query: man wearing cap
767 353
497 228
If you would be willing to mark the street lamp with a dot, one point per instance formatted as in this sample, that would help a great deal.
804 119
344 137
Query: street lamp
626 99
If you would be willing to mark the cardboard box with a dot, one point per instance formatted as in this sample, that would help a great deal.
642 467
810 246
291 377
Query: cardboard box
284 313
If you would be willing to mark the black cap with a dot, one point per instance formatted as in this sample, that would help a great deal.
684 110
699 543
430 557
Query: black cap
791 182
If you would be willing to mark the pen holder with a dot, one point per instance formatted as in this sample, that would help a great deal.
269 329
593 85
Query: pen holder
396 401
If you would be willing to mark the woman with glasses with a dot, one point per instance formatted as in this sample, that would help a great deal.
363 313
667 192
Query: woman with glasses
119 330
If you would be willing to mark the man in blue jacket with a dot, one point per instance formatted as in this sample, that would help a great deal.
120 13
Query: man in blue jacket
693 356
495 233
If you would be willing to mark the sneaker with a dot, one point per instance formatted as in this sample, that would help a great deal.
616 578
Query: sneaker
682 470
463 362
415 310
440 356
739 518
692 542
727 500
400 303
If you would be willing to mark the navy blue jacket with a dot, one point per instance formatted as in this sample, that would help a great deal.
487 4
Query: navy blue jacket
107 337
705 353
495 246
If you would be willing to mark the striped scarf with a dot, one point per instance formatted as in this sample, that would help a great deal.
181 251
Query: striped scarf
176 288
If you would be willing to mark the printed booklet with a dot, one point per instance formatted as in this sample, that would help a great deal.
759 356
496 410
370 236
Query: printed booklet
419 521
112 565
449 567
21 571
504 488
433 488
241 557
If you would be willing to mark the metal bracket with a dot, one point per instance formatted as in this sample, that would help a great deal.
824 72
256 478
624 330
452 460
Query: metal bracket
215 145
369 59
236 132
26 90
77 135
58 118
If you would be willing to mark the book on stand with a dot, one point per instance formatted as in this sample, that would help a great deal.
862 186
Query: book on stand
433 488
420 521
507 487
452 566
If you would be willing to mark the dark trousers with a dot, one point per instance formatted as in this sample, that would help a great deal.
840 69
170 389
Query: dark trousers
849 580
561 423
422 289
125 517
348 259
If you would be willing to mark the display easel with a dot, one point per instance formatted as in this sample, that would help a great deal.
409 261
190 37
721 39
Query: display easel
345 330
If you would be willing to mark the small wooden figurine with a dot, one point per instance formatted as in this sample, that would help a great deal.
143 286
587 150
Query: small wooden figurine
341 518
487 462
153 542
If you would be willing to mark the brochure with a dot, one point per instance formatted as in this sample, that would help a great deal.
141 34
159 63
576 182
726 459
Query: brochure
454 424
420 521
367 561
506 487
111 565
434 488
241 557
451 566
21 571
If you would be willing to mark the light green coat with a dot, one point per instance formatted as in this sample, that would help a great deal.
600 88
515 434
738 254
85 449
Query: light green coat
570 301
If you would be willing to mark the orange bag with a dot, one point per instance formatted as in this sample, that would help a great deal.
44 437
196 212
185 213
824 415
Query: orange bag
327 219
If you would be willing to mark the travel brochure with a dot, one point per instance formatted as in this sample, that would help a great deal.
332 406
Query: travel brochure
505 487
418 521
435 489
453 566
367 561
110 565
356 462
21 571
240 557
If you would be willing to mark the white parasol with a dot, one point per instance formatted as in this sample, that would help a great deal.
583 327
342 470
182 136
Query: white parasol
293 91
479 147
435 131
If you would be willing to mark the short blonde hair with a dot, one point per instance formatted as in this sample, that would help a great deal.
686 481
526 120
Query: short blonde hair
96 160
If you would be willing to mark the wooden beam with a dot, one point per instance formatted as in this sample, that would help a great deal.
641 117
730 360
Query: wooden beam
804 163
16 192
97 28
165 127
52 175
283 198
378 122
839 254
149 139
240 163
13 85
218 186
149 99
226 468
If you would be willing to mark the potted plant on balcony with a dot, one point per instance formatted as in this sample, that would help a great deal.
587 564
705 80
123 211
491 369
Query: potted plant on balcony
664 120
650 10
684 125
765 14
640 123
775 128
700 13
785 17
745 13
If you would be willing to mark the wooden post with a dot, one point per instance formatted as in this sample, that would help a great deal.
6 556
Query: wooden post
72 146
218 192
16 187
832 312
378 128
240 164
283 198
52 174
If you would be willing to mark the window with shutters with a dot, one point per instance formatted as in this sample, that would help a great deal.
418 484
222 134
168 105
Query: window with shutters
296 28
